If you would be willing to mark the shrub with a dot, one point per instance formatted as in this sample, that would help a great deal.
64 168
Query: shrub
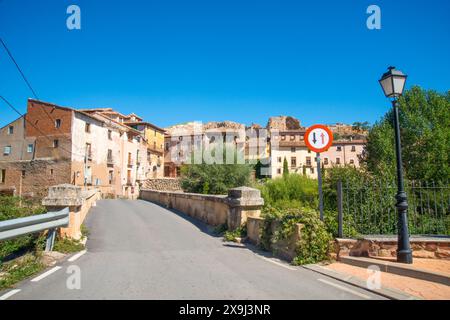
313 245
240 232
292 188
214 178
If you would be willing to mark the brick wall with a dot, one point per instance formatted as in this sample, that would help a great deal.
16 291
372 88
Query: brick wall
39 176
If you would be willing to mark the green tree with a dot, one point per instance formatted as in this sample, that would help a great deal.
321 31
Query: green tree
285 168
424 124
215 178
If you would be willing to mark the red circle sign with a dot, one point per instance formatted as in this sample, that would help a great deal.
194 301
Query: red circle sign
318 138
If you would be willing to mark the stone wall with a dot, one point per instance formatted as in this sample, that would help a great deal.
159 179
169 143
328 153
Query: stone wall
285 249
422 247
162 184
215 210
79 202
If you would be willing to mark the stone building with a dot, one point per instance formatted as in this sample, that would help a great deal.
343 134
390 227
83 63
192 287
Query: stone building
89 148
289 144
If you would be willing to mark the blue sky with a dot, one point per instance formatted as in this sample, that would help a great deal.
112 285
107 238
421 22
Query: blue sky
240 60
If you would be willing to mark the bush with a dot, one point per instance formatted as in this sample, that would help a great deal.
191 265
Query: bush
240 232
214 178
294 188
313 245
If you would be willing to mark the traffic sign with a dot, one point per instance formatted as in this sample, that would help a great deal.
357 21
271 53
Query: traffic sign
318 138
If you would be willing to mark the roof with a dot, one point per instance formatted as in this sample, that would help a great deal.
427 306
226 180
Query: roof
144 123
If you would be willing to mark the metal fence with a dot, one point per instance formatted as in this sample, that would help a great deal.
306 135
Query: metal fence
14 228
369 207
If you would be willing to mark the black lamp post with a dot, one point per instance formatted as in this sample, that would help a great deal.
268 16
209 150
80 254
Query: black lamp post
393 83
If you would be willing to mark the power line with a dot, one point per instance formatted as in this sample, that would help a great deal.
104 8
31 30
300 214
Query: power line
32 124
18 68
28 84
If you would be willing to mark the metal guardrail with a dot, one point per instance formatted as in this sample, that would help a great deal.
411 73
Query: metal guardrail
10 229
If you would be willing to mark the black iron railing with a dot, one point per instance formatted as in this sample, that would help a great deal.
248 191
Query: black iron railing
369 207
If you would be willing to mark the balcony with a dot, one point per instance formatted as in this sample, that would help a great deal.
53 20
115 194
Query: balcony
110 160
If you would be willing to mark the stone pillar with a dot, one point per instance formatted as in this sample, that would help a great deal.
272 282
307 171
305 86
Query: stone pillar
243 202
62 196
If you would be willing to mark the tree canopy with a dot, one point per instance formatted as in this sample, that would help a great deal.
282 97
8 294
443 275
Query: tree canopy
424 125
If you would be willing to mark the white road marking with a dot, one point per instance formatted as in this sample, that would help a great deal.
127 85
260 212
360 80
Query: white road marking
75 257
9 294
45 274
278 263
344 288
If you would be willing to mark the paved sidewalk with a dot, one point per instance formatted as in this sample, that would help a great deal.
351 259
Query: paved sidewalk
419 288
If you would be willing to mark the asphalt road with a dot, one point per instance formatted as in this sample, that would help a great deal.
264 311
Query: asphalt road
138 250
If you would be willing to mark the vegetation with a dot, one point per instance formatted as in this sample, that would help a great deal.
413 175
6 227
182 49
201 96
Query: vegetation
424 122
313 244
233 236
216 178
285 168
67 245
21 257
294 188
17 270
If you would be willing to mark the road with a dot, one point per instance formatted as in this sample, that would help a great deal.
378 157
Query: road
139 250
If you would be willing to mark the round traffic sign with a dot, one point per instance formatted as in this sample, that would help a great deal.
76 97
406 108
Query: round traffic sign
318 138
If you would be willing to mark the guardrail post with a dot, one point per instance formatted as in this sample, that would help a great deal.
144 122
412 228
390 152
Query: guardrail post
50 239
340 209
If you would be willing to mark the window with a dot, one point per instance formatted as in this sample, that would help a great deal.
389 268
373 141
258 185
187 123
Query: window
129 158
23 174
58 123
7 150
109 134
2 175
309 151
155 133
353 148
312 170
292 137
30 148
308 161
11 130
338 160
283 137
109 157
293 161
292 149
279 159
88 151
325 161
51 172
110 176
55 143
279 171
87 127
352 161
338 148
154 145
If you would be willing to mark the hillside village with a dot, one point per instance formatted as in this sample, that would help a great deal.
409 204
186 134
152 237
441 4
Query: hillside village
117 154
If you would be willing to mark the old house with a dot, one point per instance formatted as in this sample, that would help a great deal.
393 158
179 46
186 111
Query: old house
52 144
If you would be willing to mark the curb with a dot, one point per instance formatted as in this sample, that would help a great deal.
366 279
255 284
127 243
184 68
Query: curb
389 293
398 269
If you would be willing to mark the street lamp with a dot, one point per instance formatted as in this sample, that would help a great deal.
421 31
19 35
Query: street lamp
393 83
